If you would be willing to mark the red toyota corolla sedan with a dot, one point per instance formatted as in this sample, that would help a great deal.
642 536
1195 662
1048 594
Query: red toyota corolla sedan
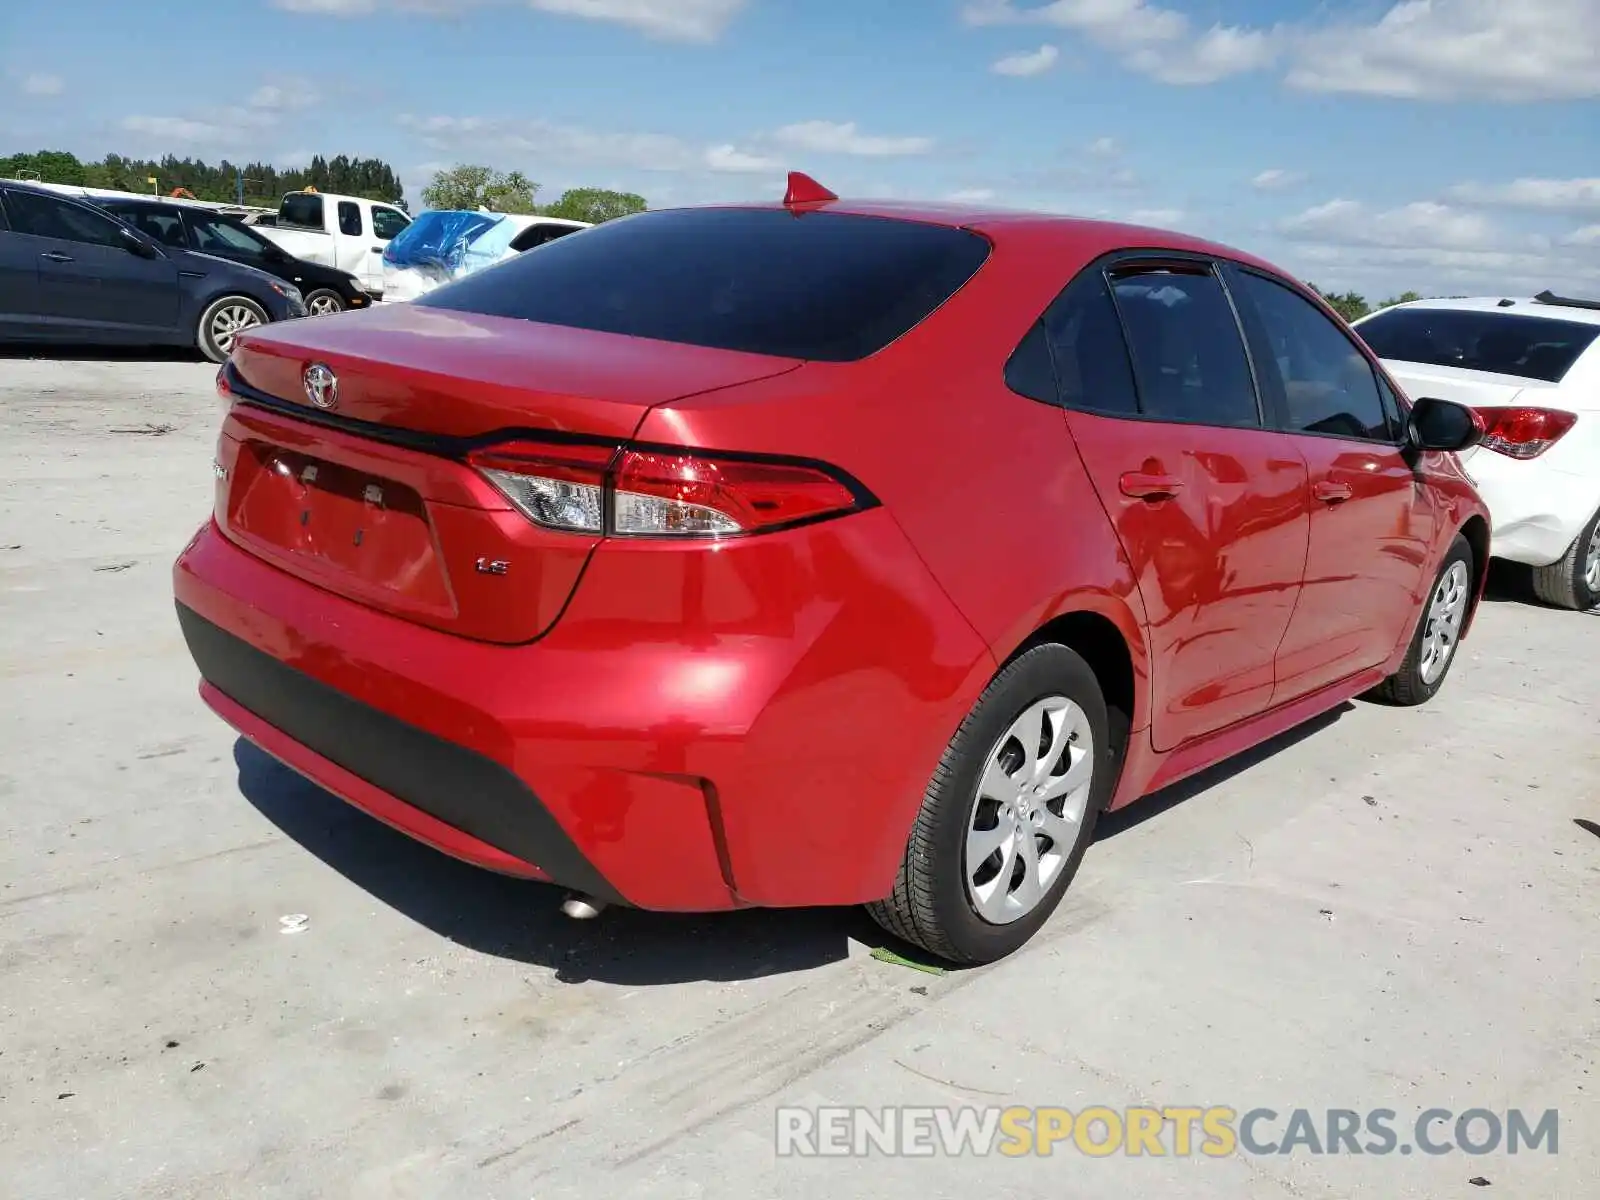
819 553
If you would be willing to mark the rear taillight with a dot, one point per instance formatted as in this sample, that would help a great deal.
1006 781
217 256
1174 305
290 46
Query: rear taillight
1524 432
224 392
559 487
635 492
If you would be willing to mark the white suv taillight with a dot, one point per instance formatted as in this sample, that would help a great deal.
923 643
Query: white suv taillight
636 492
1524 432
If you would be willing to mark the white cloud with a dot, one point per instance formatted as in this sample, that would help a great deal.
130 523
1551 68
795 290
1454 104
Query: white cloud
1589 235
971 196
1424 224
673 20
1028 62
285 95
1160 42
731 160
1459 49
176 130
546 143
1506 50
1549 195
1276 179
41 83
541 145
842 137
680 20
1104 147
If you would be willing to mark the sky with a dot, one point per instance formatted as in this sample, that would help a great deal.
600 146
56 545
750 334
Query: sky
1446 146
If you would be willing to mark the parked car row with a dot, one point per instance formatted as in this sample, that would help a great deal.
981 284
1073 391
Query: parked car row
135 270
835 553
70 271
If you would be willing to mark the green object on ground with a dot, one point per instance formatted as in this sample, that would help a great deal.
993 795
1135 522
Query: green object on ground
889 956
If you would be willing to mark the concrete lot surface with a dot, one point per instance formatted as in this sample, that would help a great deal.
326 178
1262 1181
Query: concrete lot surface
1390 909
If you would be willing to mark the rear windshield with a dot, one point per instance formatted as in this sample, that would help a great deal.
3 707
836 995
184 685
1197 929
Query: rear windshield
1505 343
833 287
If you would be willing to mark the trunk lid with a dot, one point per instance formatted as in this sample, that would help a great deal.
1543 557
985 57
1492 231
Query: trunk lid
370 499
428 370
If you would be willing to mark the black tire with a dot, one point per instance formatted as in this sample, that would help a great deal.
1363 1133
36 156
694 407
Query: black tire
1565 583
1408 686
930 906
322 298
207 334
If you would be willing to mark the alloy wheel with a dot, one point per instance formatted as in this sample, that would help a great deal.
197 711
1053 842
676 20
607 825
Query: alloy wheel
1027 815
321 306
229 322
1446 610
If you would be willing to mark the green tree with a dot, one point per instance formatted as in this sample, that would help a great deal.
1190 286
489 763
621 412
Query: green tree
263 183
1350 305
472 187
1402 298
595 205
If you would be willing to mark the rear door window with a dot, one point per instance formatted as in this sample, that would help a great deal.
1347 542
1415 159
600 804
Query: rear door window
163 224
301 209
1188 354
48 217
1504 343
349 218
1093 371
831 287
1323 381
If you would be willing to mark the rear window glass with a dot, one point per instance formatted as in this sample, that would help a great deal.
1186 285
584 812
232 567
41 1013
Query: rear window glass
833 287
301 209
1505 343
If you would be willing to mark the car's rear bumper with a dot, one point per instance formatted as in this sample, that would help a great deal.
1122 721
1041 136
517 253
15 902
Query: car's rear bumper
1536 509
702 752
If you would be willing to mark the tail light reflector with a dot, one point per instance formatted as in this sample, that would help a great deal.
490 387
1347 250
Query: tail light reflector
1524 432
660 493
559 487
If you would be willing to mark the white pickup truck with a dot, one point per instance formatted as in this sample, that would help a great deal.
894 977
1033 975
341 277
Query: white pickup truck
344 232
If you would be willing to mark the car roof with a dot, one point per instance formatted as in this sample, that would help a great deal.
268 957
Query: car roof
1092 235
1527 306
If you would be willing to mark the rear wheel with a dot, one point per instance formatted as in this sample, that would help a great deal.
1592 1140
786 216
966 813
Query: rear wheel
323 302
1009 812
1433 646
1573 581
223 321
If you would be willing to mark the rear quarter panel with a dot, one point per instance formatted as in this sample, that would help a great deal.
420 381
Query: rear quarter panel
985 483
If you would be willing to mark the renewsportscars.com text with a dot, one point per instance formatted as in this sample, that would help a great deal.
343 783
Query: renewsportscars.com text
1173 1131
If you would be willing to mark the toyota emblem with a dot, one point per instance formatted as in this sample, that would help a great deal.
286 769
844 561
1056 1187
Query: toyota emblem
322 385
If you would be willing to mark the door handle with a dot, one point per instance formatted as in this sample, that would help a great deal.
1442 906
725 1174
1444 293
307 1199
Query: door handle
1332 493
57 256
1142 486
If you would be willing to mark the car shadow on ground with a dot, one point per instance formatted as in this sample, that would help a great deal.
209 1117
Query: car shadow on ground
522 920
89 353
1148 807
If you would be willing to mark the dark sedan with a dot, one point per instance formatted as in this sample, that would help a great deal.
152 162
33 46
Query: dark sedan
191 227
70 272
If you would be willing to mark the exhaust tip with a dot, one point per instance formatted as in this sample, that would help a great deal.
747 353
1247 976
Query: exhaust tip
582 908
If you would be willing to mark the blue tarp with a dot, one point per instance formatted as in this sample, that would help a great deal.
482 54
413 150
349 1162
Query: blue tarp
444 240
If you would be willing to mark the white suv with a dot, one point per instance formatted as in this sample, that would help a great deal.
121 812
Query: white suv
1532 370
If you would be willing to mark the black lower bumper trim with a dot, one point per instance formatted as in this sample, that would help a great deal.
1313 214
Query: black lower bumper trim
455 785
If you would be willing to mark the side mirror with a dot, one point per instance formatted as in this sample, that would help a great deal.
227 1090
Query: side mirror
134 244
272 252
1443 425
